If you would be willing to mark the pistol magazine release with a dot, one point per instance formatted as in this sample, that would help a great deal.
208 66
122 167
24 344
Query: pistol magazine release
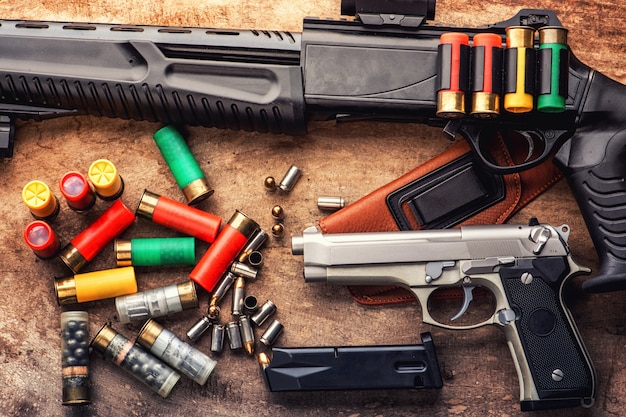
525 267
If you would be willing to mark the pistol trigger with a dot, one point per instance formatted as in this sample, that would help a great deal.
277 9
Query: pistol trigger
468 296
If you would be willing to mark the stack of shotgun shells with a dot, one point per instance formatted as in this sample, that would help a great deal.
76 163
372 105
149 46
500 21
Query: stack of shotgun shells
158 357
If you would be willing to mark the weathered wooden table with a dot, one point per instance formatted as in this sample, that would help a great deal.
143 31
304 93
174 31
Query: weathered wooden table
348 160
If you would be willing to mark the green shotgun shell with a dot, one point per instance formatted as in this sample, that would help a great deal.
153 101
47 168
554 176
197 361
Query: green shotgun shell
183 165
553 69
155 251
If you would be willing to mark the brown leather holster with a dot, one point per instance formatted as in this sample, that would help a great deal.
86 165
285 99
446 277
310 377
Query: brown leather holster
412 202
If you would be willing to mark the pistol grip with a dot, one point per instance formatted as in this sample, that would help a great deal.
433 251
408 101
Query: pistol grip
553 366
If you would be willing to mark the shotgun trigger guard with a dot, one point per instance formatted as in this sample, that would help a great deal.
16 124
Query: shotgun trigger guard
541 143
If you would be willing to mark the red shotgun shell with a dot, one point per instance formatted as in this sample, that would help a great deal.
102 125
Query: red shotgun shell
40 237
216 260
452 74
178 216
77 191
84 247
487 75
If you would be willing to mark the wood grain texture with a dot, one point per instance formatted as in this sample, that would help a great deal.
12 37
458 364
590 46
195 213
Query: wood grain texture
347 159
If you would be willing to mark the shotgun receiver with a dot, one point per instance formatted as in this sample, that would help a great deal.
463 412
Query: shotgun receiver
524 267
388 63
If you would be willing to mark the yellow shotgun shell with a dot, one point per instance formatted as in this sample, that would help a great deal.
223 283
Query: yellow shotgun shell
105 179
42 204
97 285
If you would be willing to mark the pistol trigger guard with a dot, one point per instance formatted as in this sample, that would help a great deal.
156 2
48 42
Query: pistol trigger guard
468 296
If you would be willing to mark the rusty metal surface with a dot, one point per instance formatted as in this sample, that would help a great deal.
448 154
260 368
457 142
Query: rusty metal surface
349 160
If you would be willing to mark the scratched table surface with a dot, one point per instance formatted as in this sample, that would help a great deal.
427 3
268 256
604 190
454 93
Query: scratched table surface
348 160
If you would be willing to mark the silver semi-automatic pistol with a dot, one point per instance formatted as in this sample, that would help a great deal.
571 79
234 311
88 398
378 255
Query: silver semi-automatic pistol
525 267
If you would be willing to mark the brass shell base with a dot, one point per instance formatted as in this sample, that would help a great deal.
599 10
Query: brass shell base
450 104
197 191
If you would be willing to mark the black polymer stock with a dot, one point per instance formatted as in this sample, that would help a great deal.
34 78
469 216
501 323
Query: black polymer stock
381 66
